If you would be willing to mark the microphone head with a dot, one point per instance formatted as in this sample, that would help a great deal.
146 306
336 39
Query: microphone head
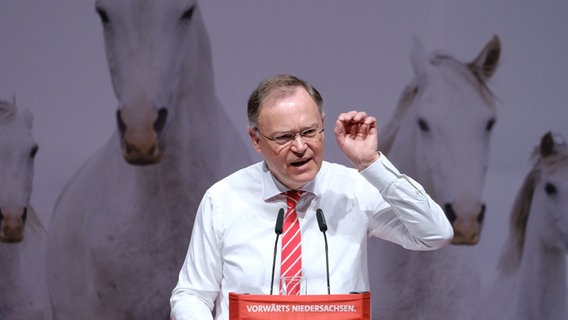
321 220
279 222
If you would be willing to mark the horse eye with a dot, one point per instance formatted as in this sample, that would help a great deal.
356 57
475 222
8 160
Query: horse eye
103 15
33 152
550 188
423 125
490 124
188 13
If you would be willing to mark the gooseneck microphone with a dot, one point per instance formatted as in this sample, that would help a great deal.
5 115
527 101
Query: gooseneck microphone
323 228
278 229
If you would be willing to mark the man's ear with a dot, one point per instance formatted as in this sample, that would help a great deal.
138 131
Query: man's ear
254 139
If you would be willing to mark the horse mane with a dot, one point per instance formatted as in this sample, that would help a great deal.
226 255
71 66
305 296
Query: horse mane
478 81
7 110
391 128
512 254
513 251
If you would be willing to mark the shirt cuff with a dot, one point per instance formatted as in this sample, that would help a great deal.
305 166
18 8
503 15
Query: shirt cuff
381 173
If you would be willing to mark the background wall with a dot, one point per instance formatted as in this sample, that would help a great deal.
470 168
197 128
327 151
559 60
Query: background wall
355 52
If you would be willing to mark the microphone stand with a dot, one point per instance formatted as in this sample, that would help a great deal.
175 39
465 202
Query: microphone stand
323 228
278 229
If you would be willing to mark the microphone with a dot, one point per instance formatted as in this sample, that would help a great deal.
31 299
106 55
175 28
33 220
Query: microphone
278 229
323 228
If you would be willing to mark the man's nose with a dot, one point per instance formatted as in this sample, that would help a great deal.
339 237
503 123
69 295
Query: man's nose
298 143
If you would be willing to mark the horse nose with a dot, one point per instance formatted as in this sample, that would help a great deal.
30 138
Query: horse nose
140 143
160 122
467 228
12 226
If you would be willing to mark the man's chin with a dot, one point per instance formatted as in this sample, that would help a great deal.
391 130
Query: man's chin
303 178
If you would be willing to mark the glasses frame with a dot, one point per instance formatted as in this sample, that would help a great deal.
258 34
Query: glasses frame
302 134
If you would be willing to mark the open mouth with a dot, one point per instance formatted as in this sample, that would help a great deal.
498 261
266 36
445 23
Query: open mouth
299 163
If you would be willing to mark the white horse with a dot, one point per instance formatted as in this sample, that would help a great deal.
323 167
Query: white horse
531 281
23 290
439 135
120 229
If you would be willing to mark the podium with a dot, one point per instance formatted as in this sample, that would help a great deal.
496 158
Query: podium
354 306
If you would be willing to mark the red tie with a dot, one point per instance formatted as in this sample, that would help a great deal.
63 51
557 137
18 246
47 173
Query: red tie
291 241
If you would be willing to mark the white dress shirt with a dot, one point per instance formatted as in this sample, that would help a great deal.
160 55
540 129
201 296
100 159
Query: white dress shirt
232 242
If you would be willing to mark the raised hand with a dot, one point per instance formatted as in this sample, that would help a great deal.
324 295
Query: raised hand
357 137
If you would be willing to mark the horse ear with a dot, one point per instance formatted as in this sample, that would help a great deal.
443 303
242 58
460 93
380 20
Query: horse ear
418 57
546 145
486 62
550 143
28 118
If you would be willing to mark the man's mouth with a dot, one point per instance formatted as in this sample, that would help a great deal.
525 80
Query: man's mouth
299 163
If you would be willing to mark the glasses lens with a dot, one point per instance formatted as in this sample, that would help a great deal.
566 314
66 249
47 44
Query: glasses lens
287 138
284 138
310 133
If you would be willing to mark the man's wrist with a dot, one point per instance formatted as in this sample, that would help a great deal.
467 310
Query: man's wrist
366 163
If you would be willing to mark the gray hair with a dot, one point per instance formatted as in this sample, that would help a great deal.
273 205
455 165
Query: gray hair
276 87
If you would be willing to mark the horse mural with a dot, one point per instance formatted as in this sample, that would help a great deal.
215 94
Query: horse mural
121 225
531 281
23 293
17 152
440 135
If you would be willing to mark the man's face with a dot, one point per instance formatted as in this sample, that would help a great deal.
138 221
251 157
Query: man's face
297 162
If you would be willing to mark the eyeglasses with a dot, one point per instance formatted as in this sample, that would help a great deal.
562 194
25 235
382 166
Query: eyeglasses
284 139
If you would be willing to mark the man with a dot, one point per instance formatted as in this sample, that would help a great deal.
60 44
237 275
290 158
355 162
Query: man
231 245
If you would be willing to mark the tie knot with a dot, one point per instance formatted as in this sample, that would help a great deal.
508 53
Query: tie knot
292 197
294 194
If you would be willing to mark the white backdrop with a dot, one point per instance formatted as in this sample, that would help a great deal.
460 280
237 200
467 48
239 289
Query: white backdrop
355 52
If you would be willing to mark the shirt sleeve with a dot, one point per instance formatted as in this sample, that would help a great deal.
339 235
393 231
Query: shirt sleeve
199 281
411 218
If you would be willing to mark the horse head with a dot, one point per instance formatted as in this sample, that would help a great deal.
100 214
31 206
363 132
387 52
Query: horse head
440 133
541 201
550 199
149 47
17 151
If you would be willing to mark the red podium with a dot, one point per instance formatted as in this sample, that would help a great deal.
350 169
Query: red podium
355 306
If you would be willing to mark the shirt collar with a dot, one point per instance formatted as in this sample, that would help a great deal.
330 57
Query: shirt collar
272 188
